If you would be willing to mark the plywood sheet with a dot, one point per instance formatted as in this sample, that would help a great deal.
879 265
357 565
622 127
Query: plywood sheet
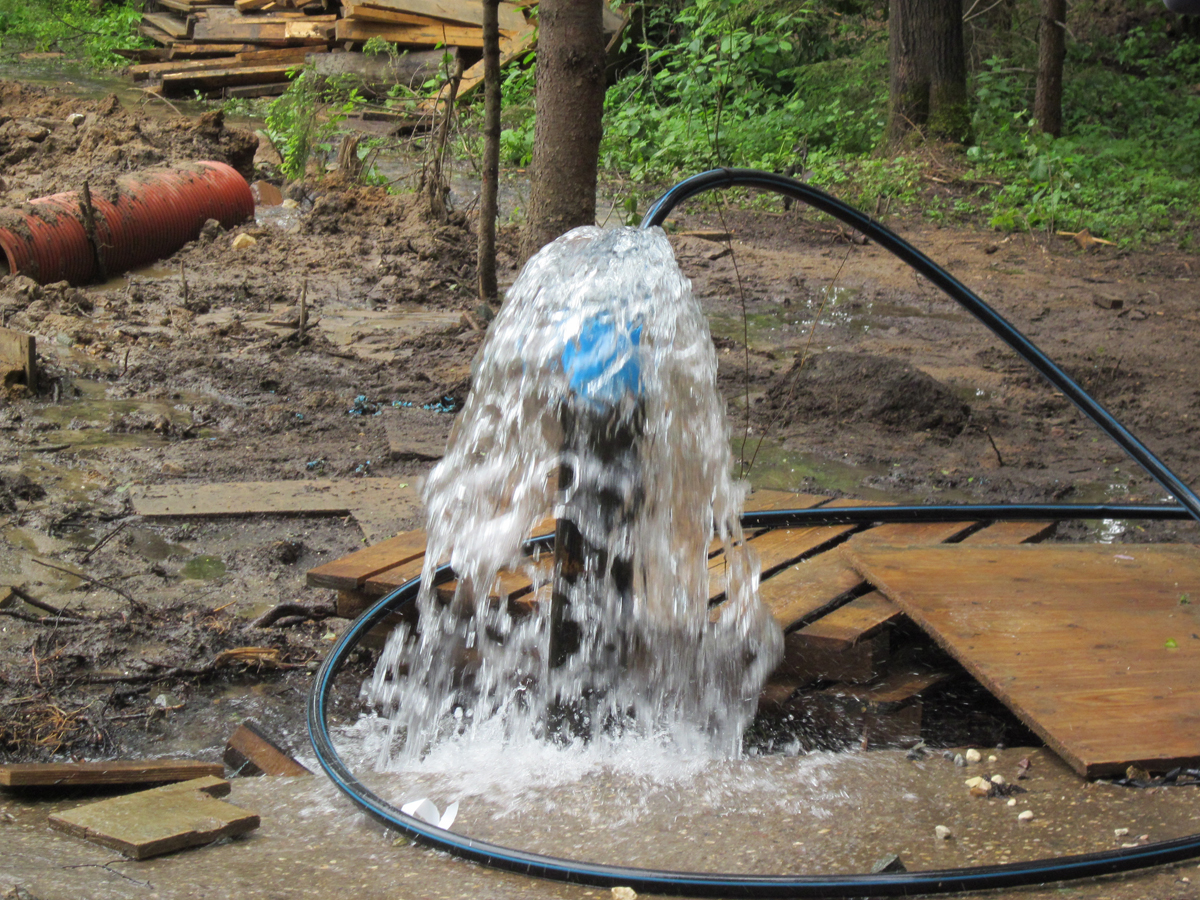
1095 647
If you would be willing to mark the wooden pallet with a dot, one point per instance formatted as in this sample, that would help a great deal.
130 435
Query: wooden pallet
837 629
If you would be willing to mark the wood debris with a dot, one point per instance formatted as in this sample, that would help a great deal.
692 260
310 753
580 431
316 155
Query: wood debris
227 48
116 771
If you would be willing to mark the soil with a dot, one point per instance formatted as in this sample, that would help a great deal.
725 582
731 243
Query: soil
845 374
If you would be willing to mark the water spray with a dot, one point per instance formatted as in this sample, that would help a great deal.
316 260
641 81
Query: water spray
600 413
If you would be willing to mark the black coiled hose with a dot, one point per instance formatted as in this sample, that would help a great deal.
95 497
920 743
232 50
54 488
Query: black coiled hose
701 884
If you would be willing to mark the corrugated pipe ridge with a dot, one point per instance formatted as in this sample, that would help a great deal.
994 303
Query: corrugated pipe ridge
155 212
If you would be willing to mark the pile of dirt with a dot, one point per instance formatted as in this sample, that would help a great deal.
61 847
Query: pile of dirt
51 142
853 387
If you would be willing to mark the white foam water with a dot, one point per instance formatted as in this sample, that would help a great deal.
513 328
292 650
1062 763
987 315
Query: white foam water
594 399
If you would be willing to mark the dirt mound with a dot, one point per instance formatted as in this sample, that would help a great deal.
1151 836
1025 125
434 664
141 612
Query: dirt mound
854 387
51 142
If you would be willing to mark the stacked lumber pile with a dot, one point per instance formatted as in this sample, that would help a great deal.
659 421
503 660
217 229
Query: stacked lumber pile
247 48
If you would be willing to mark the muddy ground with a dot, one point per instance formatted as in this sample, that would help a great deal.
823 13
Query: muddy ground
188 373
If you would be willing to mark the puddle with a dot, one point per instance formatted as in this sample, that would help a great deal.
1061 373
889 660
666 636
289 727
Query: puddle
154 547
777 468
203 568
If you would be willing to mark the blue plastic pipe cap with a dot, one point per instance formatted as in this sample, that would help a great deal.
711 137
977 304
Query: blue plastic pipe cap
602 363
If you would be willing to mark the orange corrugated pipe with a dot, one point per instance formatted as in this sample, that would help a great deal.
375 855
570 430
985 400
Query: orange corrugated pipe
155 213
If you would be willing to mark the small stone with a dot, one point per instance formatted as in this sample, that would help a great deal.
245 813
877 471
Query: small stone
76 119
997 779
210 231
977 781
243 240
973 755
890 863
1025 816
993 758
1012 801
624 893
1120 832
943 833
946 754
290 203
960 761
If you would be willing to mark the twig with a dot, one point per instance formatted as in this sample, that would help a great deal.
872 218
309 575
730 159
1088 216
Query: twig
39 604
183 281
150 93
999 458
303 309
136 605
41 620
108 537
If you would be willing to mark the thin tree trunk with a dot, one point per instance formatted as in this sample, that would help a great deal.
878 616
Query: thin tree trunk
570 104
491 150
1052 51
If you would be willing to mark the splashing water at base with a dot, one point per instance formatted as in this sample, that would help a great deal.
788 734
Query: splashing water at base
594 399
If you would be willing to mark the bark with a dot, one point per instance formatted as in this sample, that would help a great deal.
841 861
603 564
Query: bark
928 70
491 150
570 103
1052 51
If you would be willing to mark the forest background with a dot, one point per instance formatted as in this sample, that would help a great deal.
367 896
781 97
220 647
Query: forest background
801 86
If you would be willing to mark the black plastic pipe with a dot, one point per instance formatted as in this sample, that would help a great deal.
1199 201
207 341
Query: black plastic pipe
700 884
964 296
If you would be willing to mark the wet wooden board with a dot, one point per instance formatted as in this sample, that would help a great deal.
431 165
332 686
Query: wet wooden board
801 592
462 12
1090 645
414 35
150 823
116 771
18 353
351 572
249 751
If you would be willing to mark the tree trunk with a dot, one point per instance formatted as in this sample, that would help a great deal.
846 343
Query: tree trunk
570 103
491 150
928 70
1052 50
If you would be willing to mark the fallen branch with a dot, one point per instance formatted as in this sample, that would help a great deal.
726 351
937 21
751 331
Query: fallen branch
39 604
294 612
41 620
260 656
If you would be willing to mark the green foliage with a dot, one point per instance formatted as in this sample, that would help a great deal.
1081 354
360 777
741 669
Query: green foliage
306 118
746 82
72 26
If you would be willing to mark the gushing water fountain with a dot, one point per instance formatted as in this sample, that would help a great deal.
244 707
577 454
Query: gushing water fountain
594 399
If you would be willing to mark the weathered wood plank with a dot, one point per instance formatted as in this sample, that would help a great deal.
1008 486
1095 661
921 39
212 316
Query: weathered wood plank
462 12
115 771
1012 533
247 498
410 35
172 25
1090 645
512 46
352 571
150 823
250 752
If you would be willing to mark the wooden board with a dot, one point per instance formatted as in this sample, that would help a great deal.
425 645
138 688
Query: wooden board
351 572
18 353
165 22
1074 639
117 771
275 73
512 47
150 823
304 497
250 752
411 35
462 12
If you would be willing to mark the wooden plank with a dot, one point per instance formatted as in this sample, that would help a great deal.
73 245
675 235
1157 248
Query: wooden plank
145 70
462 12
1090 645
18 353
115 771
861 618
154 33
512 46
800 592
150 823
307 29
376 14
247 498
810 658
1012 533
388 580
352 571
192 51
172 25
257 90
250 752
410 35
